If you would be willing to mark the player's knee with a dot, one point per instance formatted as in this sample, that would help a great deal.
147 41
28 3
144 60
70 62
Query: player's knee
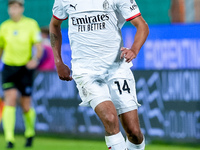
134 133
111 124
110 118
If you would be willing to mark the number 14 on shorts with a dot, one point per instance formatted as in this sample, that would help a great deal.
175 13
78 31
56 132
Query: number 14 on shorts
123 87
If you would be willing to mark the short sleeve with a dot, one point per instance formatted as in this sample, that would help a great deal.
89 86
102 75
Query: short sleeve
59 11
128 8
1 38
36 33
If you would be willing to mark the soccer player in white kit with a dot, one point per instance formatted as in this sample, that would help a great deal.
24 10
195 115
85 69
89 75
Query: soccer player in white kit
100 63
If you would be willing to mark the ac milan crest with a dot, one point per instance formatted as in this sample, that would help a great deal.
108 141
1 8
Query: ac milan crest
105 5
84 91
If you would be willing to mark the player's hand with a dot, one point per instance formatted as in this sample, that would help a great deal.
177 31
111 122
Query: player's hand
63 72
32 64
128 54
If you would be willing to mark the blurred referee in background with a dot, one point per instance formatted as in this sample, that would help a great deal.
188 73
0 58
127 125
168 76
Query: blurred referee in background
17 36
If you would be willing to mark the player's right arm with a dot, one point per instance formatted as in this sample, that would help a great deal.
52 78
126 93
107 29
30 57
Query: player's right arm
56 41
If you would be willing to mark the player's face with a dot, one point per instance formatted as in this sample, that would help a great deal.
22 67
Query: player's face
15 11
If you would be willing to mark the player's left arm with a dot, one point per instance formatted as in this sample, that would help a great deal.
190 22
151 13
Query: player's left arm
140 37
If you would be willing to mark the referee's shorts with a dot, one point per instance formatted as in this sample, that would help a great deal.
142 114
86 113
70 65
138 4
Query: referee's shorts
18 77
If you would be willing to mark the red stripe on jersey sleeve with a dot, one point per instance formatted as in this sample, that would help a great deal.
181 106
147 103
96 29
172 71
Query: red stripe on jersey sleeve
139 14
59 18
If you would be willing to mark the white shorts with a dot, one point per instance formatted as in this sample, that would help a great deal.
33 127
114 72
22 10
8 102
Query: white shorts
116 86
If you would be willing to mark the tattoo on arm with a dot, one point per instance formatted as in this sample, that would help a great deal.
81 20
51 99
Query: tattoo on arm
53 39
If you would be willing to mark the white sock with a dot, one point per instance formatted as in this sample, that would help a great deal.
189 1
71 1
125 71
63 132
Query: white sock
115 142
132 146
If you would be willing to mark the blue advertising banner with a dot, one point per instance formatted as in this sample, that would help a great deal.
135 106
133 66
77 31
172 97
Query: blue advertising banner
167 47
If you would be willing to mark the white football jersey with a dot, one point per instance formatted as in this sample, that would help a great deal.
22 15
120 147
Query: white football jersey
95 32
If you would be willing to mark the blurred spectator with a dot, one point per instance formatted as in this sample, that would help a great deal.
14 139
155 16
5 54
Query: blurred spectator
197 10
1 108
177 11
185 11
47 60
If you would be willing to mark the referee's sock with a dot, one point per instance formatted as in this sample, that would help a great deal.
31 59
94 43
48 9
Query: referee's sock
29 120
115 142
9 118
132 146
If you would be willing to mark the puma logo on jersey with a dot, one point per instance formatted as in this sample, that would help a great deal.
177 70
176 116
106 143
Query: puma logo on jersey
74 6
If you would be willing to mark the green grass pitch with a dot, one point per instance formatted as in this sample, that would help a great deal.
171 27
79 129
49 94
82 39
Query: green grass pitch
53 143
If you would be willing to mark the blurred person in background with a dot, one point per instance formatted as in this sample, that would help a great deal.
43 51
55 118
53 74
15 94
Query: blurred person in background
185 11
177 11
100 65
17 36
197 10
47 59
1 108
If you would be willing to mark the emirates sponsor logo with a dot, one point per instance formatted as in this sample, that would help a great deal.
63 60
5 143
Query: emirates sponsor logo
89 19
90 23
